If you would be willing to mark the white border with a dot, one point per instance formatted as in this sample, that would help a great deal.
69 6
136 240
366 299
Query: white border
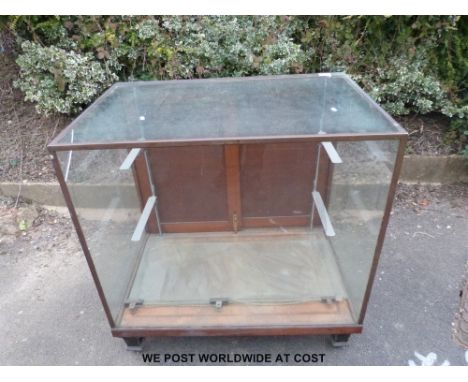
236 7
252 373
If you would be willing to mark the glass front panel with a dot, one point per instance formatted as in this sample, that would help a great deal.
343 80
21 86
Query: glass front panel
233 235
108 207
230 108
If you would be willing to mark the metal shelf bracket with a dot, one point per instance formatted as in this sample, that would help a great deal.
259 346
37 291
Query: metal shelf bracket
323 214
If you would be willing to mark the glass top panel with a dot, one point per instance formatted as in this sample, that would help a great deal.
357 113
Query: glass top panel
291 105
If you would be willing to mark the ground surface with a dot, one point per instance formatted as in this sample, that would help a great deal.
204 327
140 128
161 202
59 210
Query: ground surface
430 135
50 312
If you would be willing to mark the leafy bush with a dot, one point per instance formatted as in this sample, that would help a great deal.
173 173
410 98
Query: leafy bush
404 87
60 81
407 63
171 47
166 47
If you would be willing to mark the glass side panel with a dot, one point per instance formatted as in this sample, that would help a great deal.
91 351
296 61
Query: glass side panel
229 108
108 208
357 200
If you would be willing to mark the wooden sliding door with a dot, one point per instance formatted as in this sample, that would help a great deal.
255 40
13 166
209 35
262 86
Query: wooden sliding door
232 187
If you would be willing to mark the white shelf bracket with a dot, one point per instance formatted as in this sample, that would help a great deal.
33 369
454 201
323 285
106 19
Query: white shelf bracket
70 153
140 227
332 153
323 214
132 155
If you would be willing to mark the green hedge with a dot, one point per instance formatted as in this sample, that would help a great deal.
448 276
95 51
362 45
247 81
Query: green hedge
407 63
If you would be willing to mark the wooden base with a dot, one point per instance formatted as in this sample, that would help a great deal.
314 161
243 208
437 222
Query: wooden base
313 318
238 315
238 331
179 274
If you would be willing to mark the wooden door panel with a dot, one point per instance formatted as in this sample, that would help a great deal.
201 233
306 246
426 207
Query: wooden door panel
202 188
277 181
190 183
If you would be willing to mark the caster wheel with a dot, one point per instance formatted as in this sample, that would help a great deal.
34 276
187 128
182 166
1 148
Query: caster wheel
339 340
134 343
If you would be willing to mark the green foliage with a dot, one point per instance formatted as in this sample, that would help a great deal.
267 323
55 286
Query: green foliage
169 47
404 86
60 81
407 63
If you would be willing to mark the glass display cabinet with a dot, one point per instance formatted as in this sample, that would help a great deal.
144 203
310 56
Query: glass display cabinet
233 206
